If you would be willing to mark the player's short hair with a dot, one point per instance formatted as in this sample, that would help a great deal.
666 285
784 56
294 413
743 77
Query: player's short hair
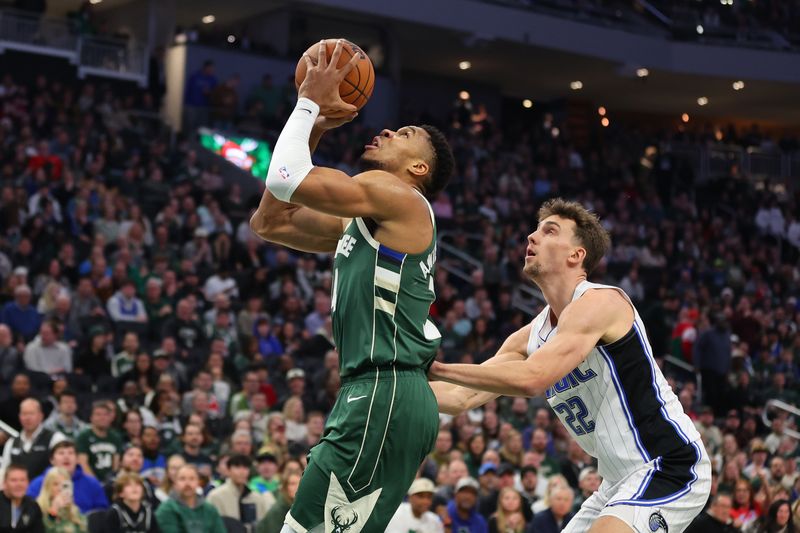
442 164
588 230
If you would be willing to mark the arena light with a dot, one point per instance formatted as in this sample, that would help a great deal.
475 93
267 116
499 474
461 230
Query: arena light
601 111
605 122
685 117
702 100
738 85
527 103
208 19
231 39
642 72
576 85
699 29
464 95
465 65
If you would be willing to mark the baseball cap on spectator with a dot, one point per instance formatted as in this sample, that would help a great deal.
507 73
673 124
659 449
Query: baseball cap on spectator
201 232
266 458
487 467
20 271
505 469
295 373
585 472
467 483
421 485
160 354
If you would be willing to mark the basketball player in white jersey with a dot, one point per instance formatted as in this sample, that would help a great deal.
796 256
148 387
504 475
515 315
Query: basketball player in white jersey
588 353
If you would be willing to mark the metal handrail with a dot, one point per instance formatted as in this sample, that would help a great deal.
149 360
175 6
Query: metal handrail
8 430
450 249
20 29
783 406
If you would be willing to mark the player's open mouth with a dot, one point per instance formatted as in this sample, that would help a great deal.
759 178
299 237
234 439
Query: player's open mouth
529 253
374 144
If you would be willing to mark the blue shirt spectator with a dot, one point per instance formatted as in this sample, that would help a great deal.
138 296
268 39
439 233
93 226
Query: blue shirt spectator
20 316
88 492
200 85
463 509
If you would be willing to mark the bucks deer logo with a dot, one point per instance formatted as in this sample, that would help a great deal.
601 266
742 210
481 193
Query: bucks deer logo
342 520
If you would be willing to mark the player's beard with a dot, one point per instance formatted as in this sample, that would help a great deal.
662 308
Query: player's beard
365 164
533 270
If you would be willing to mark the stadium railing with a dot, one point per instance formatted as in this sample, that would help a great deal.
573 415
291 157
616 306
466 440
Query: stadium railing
92 55
780 406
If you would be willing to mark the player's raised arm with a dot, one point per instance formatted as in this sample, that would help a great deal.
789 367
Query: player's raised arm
296 226
455 399
583 323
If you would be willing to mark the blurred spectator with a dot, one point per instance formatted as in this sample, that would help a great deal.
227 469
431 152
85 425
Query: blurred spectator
463 509
415 515
185 510
556 517
18 512
224 102
47 354
130 512
31 448
197 99
64 417
57 504
235 500
273 521
509 517
712 356
99 446
88 492
20 316
717 519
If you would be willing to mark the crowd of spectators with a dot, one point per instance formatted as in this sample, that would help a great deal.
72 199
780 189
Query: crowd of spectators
163 365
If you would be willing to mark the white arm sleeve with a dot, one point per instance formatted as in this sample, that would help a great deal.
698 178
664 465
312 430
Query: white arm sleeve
291 159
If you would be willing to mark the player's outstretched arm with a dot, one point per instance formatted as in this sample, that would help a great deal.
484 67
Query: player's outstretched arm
580 327
455 399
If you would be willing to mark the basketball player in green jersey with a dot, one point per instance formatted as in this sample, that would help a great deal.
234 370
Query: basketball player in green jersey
381 229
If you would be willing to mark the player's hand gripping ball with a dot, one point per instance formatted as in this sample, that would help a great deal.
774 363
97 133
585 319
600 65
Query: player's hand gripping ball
357 85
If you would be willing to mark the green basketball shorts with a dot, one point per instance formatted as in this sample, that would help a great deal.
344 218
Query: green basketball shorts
383 425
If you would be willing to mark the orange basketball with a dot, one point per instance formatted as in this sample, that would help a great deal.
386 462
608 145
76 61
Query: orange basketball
357 87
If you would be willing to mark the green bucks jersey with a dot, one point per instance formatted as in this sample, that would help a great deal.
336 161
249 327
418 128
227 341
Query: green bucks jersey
380 303
101 451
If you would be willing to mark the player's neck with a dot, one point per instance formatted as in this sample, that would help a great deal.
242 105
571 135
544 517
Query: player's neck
558 292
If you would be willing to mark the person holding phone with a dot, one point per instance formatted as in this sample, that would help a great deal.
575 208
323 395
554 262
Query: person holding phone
61 515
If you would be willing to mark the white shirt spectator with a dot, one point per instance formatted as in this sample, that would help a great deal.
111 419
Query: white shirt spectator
217 285
124 306
793 233
48 356
404 521
770 220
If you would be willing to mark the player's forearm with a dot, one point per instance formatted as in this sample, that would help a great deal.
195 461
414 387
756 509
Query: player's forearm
513 378
455 399
314 138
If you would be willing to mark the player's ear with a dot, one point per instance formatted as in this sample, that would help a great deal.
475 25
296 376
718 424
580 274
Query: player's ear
419 168
577 256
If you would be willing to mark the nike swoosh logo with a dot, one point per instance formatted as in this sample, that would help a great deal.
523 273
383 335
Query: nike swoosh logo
304 109
351 399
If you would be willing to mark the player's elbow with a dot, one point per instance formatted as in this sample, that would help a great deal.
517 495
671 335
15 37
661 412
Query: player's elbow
262 226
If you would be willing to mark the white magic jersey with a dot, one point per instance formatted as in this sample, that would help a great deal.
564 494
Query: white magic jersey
620 409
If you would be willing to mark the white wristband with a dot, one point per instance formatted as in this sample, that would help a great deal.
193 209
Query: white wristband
291 159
